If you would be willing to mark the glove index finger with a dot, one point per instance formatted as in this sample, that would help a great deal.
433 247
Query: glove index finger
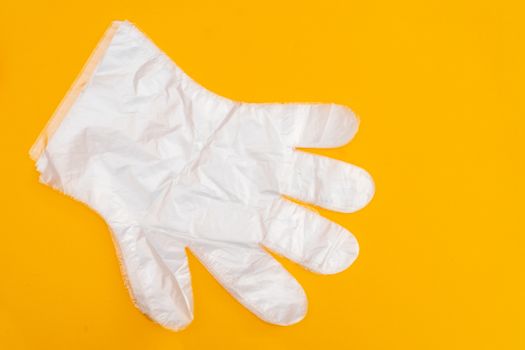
255 279
308 239
312 125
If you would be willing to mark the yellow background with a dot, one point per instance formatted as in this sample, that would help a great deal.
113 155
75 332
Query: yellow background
439 87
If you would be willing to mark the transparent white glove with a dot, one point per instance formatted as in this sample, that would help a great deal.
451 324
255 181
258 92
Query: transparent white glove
168 164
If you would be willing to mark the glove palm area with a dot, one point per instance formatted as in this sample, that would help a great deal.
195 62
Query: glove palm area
169 165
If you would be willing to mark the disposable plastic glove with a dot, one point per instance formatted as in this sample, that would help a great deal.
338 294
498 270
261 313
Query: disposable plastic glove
169 164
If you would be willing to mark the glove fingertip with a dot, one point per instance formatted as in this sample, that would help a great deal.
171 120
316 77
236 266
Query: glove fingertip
289 314
177 326
341 256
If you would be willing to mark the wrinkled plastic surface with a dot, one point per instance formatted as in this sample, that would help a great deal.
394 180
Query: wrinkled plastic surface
169 164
